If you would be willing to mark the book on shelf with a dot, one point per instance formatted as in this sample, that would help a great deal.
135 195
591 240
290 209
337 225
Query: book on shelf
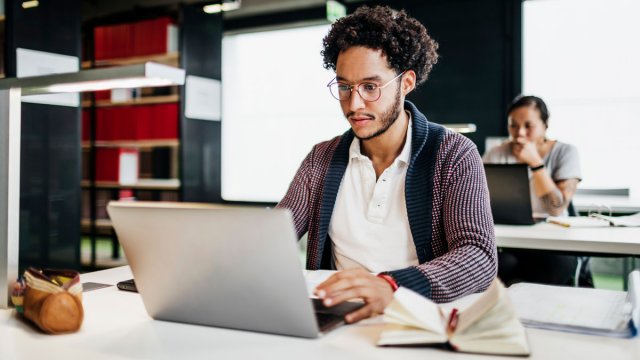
595 220
489 325
117 164
147 122
580 310
146 37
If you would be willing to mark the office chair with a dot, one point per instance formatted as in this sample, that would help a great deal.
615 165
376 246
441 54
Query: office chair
583 276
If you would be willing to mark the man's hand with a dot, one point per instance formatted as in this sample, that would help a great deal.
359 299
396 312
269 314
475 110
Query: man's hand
526 152
356 284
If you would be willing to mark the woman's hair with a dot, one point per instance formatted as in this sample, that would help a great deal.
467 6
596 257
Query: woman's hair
401 38
526 101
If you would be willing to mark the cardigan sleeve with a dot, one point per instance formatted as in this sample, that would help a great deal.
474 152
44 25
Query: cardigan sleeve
467 262
298 196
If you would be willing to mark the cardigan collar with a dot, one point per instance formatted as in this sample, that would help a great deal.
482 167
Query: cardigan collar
419 186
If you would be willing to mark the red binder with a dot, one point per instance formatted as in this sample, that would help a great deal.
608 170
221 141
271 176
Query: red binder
117 164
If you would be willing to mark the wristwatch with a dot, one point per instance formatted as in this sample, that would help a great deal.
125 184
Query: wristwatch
536 168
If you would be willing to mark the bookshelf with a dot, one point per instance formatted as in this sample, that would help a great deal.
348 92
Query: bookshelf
142 184
133 144
128 124
145 100
171 58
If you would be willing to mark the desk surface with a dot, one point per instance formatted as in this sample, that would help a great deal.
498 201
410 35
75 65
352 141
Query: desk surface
117 326
543 236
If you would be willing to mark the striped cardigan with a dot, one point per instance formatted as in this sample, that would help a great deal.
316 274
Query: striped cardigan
447 205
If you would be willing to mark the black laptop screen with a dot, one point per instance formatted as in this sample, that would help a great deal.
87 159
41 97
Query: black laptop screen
509 193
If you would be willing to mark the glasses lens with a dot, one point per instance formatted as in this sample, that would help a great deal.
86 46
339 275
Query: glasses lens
340 91
369 91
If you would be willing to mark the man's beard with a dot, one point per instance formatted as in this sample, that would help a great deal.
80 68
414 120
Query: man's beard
387 119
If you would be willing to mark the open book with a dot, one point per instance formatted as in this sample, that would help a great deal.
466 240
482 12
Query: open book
595 220
489 325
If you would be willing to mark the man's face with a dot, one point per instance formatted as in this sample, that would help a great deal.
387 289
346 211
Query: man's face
369 119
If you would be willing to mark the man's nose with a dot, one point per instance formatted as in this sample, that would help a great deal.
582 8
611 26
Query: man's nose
356 102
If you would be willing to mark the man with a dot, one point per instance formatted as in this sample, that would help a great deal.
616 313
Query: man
394 195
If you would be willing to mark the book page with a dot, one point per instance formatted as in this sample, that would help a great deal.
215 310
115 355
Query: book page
413 309
481 306
396 334
498 331
569 306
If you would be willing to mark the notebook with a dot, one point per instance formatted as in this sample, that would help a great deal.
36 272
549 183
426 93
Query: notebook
509 193
489 325
581 310
233 268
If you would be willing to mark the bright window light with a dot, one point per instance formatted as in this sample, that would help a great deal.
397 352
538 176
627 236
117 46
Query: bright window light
275 107
580 57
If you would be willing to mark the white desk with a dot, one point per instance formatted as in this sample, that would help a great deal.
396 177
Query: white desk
623 241
116 326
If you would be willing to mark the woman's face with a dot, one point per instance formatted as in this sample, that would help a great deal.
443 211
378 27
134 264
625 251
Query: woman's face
525 124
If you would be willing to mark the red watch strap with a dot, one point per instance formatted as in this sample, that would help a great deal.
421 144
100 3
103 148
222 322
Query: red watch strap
390 280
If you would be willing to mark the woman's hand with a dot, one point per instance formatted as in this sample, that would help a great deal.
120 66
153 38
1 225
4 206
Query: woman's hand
526 152
356 284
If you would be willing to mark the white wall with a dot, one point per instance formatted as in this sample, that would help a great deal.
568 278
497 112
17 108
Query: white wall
582 57
275 107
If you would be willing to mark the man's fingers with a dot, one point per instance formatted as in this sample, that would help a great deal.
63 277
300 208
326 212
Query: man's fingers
320 289
362 313
338 282
337 297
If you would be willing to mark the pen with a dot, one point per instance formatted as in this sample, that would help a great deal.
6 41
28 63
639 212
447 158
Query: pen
551 221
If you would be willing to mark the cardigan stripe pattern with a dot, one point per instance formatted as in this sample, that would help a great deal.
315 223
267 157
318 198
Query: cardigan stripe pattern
447 205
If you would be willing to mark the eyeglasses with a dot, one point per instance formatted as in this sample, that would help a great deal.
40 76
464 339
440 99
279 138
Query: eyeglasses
368 91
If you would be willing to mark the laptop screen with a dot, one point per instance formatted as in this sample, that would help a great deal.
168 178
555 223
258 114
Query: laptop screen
509 193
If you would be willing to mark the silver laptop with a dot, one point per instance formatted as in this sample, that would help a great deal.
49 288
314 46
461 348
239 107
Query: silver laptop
234 268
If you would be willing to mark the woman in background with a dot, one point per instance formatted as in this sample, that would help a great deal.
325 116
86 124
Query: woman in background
554 174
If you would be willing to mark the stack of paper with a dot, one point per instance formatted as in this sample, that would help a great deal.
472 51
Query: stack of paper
581 310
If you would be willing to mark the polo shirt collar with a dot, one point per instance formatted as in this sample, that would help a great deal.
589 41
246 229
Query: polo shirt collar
405 154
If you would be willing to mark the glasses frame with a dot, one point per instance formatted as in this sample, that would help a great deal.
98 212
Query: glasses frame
357 88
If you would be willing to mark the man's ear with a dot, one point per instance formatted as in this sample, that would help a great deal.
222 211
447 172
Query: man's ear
408 82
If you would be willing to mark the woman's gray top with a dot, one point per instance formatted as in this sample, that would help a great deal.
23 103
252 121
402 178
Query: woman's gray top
562 163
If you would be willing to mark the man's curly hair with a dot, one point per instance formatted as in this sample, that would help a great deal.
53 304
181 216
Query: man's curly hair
401 38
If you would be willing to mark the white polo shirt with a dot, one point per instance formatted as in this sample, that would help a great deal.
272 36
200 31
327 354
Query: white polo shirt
369 226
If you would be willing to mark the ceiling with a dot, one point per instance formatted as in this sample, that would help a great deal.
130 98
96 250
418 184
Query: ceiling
98 8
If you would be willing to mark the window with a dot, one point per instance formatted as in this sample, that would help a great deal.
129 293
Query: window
582 58
275 107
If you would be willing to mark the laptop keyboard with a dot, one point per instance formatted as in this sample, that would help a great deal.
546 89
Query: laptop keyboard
327 317
330 317
328 321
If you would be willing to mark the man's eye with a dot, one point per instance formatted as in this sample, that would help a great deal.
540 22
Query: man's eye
342 87
369 87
